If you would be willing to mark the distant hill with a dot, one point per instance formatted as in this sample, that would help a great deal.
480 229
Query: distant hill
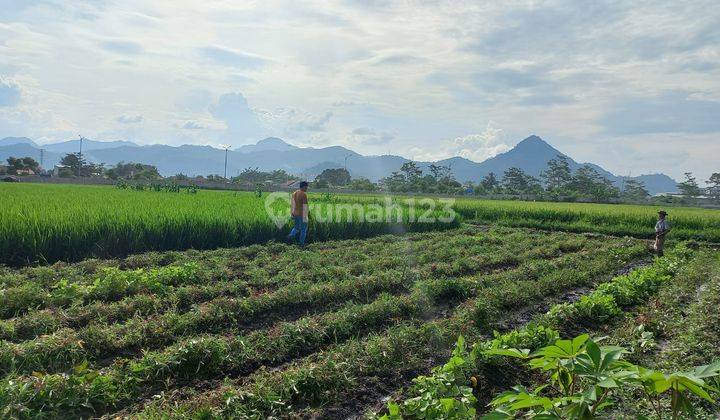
49 160
9 141
73 146
531 155
270 143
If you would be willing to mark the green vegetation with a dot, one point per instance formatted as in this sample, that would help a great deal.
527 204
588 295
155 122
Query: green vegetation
334 329
49 223
581 379
293 331
611 219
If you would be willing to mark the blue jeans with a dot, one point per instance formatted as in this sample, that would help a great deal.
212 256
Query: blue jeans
300 226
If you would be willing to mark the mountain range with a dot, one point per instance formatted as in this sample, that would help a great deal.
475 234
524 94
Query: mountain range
531 155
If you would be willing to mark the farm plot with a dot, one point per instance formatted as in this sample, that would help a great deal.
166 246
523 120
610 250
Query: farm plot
611 219
48 223
671 301
272 330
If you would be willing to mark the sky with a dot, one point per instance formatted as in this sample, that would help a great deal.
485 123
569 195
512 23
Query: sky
633 86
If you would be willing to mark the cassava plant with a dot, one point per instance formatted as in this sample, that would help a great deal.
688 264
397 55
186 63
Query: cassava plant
582 377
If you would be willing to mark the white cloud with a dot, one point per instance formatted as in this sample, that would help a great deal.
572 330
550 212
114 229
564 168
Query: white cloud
227 57
9 93
416 76
477 147
130 119
192 125
240 120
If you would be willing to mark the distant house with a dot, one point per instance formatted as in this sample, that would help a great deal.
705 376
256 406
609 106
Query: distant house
58 169
25 171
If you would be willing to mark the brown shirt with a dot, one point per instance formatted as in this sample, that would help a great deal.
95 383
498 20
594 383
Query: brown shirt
298 202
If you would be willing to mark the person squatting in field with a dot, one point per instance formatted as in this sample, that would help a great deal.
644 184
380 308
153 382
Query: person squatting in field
661 229
299 212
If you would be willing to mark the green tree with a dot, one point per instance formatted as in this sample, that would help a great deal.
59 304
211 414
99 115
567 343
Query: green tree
75 162
334 177
489 183
714 186
396 182
587 182
80 167
689 187
131 170
362 184
515 181
411 171
635 190
15 165
439 171
254 176
557 176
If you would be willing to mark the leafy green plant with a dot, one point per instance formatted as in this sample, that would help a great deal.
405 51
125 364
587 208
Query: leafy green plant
443 394
581 377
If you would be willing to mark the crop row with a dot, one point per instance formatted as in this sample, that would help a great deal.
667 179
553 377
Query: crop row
273 393
110 285
464 255
434 395
434 289
207 356
67 347
284 265
40 288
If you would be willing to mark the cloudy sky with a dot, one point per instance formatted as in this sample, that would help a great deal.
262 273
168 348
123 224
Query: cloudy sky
633 86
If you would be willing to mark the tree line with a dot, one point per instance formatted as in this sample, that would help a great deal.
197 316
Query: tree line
557 181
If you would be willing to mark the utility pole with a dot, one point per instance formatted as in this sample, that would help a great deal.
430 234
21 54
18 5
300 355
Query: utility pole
226 154
622 182
80 156
42 155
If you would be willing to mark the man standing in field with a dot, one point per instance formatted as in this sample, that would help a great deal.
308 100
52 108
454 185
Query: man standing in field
299 211
661 229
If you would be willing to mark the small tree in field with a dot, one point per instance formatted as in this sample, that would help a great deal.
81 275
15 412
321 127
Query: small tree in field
488 184
689 187
714 186
334 176
557 176
515 181
635 190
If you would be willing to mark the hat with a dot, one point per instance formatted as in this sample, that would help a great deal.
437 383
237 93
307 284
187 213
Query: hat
662 212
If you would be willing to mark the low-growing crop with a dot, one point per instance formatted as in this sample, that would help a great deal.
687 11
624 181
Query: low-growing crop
581 377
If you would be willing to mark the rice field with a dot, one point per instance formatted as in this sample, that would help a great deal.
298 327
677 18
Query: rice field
613 219
48 223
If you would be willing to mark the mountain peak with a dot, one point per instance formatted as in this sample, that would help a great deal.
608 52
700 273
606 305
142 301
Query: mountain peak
532 140
273 141
535 146
267 144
